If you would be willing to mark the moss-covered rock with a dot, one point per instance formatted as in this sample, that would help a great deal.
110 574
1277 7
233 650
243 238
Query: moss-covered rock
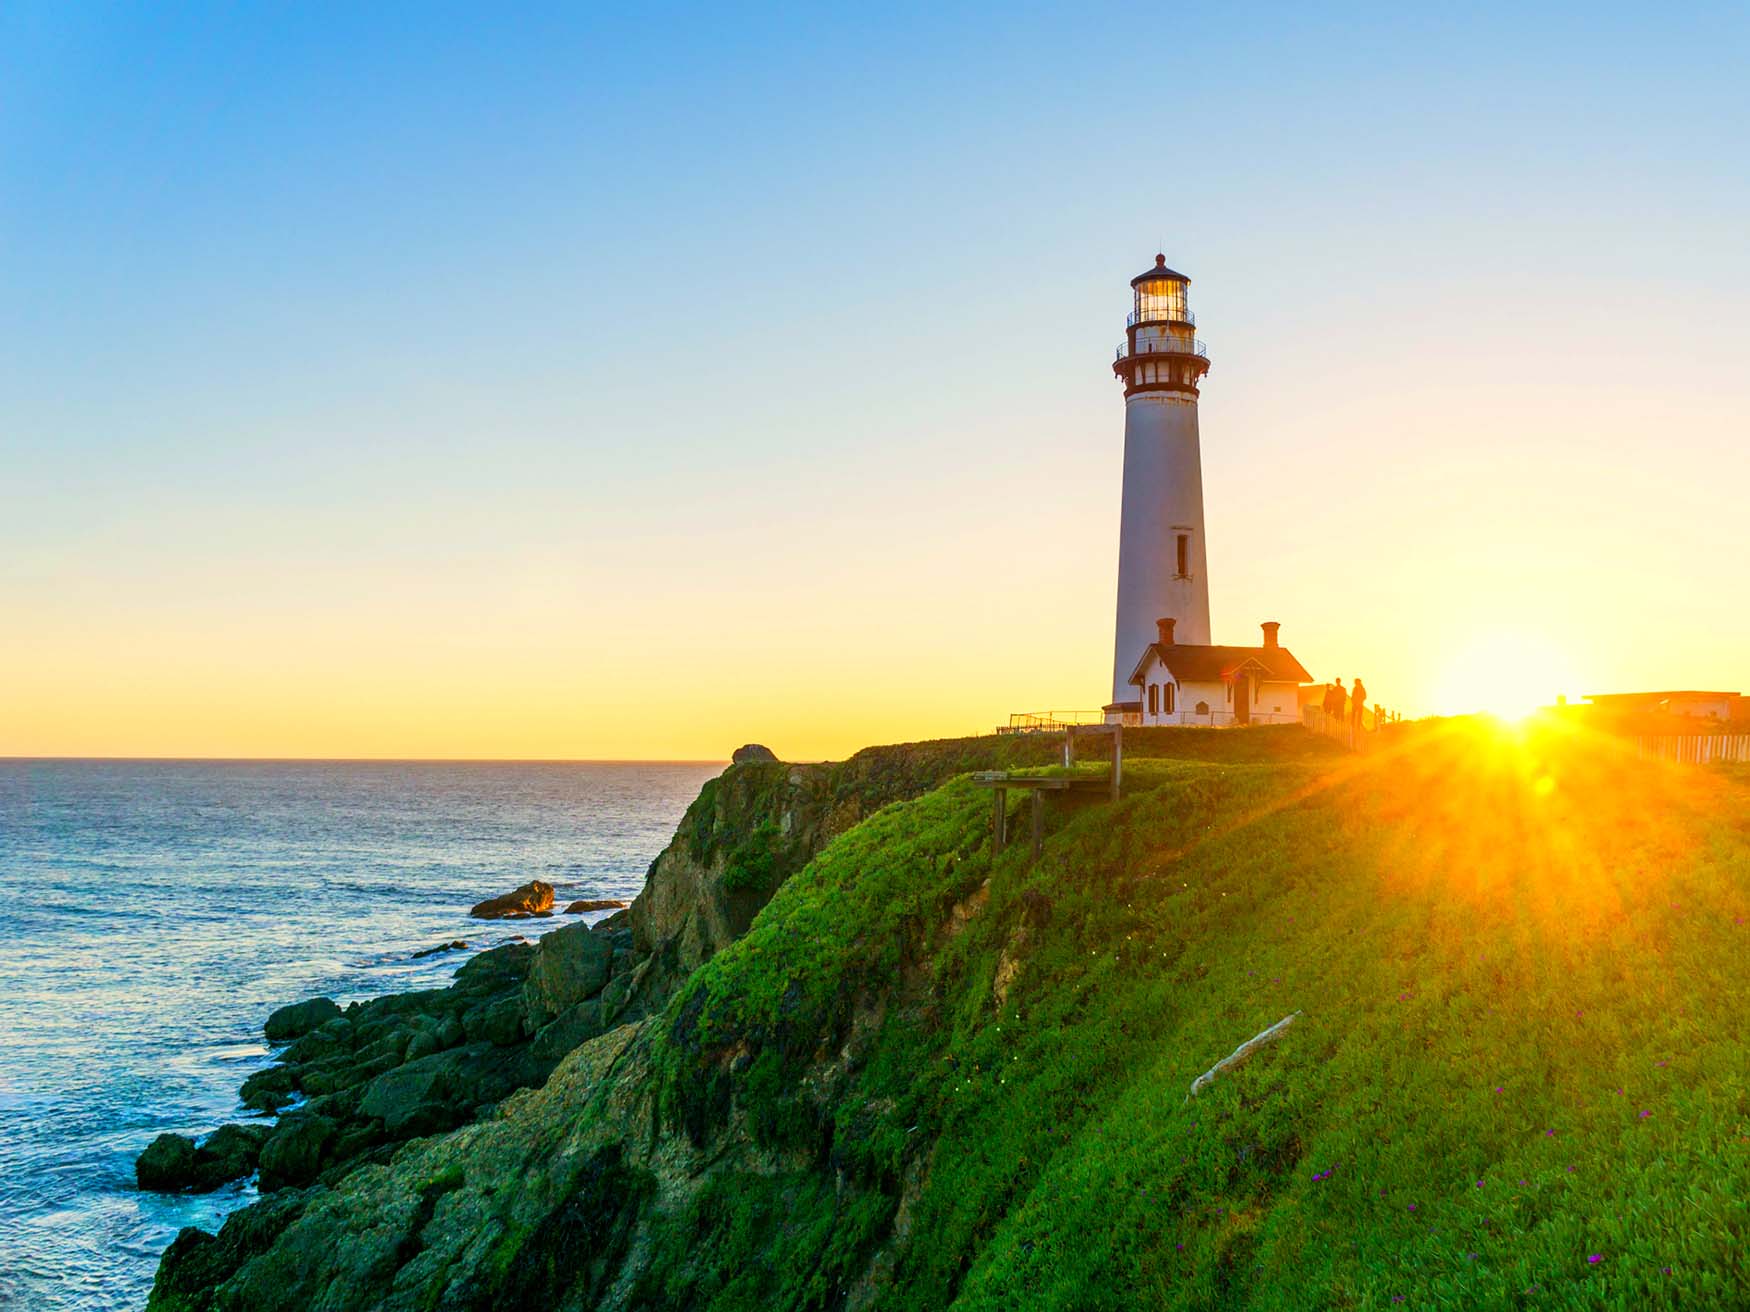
299 1018
570 964
575 1025
293 1153
166 1165
172 1163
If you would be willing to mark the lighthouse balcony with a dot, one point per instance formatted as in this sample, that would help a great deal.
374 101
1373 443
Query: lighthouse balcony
1161 314
1185 347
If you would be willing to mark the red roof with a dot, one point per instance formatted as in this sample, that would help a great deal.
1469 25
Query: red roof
1186 662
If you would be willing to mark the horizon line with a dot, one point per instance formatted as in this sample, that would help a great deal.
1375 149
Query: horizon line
382 760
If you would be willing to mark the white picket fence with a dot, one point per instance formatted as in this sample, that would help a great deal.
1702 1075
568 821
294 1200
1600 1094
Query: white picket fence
1695 748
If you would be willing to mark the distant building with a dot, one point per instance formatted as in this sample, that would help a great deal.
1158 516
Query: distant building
1718 707
1194 683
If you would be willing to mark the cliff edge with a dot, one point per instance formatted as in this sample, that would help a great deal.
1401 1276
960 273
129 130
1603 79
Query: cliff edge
926 1077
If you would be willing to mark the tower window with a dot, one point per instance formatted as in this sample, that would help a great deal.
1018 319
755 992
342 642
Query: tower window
1184 555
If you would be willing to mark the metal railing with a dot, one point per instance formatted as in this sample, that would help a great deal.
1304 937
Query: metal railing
1048 721
1164 348
1160 315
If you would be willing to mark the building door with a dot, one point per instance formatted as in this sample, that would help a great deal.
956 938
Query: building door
1242 698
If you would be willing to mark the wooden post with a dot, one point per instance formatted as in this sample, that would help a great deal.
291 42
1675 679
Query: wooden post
1117 760
999 814
1069 746
1038 821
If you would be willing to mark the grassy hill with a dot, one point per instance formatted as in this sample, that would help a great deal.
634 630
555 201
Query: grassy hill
1518 1077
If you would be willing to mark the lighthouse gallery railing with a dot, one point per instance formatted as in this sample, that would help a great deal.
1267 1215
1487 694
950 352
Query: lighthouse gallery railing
1160 314
1164 348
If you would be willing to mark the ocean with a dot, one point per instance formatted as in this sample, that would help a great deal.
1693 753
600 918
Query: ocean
152 913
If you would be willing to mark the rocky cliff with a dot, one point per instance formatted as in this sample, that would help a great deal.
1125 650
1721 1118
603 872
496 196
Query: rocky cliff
352 1087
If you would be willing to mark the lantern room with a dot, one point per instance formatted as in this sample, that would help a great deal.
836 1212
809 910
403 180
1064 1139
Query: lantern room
1160 296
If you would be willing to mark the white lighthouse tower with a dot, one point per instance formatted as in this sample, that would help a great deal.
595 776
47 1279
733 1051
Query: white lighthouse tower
1162 565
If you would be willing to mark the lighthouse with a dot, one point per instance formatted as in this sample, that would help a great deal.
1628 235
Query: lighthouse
1162 560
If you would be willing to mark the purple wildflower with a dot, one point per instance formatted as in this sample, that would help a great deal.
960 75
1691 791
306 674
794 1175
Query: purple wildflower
1643 1116
1595 1258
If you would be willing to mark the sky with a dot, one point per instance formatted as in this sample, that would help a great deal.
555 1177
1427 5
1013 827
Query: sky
635 382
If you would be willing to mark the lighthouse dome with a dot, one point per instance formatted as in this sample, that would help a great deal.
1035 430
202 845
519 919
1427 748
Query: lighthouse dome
1160 273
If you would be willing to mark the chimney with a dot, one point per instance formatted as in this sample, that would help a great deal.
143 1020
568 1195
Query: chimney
1270 627
1166 631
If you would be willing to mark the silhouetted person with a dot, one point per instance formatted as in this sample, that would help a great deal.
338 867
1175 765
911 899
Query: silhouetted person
1334 702
1357 704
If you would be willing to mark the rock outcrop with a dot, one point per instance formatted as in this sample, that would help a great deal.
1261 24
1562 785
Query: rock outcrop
596 904
172 1163
753 753
534 898
571 965
454 945
298 1019
758 823
411 1064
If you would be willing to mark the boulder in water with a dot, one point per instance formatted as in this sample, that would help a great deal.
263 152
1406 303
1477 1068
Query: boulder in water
298 1019
229 1153
167 1165
596 904
532 899
172 1163
269 1090
454 945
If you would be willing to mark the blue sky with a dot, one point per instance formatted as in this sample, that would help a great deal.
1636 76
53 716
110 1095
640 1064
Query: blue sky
334 338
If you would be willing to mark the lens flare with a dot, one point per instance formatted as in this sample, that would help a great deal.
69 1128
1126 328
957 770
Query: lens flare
1505 673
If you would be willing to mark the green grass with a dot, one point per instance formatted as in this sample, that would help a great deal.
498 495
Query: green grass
1520 963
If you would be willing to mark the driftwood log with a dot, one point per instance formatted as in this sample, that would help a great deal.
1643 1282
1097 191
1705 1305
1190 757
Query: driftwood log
1239 1055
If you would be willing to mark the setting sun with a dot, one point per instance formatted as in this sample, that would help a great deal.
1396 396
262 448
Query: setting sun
1505 673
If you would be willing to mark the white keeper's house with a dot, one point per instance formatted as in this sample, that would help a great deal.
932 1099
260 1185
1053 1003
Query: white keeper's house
1164 668
1183 683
